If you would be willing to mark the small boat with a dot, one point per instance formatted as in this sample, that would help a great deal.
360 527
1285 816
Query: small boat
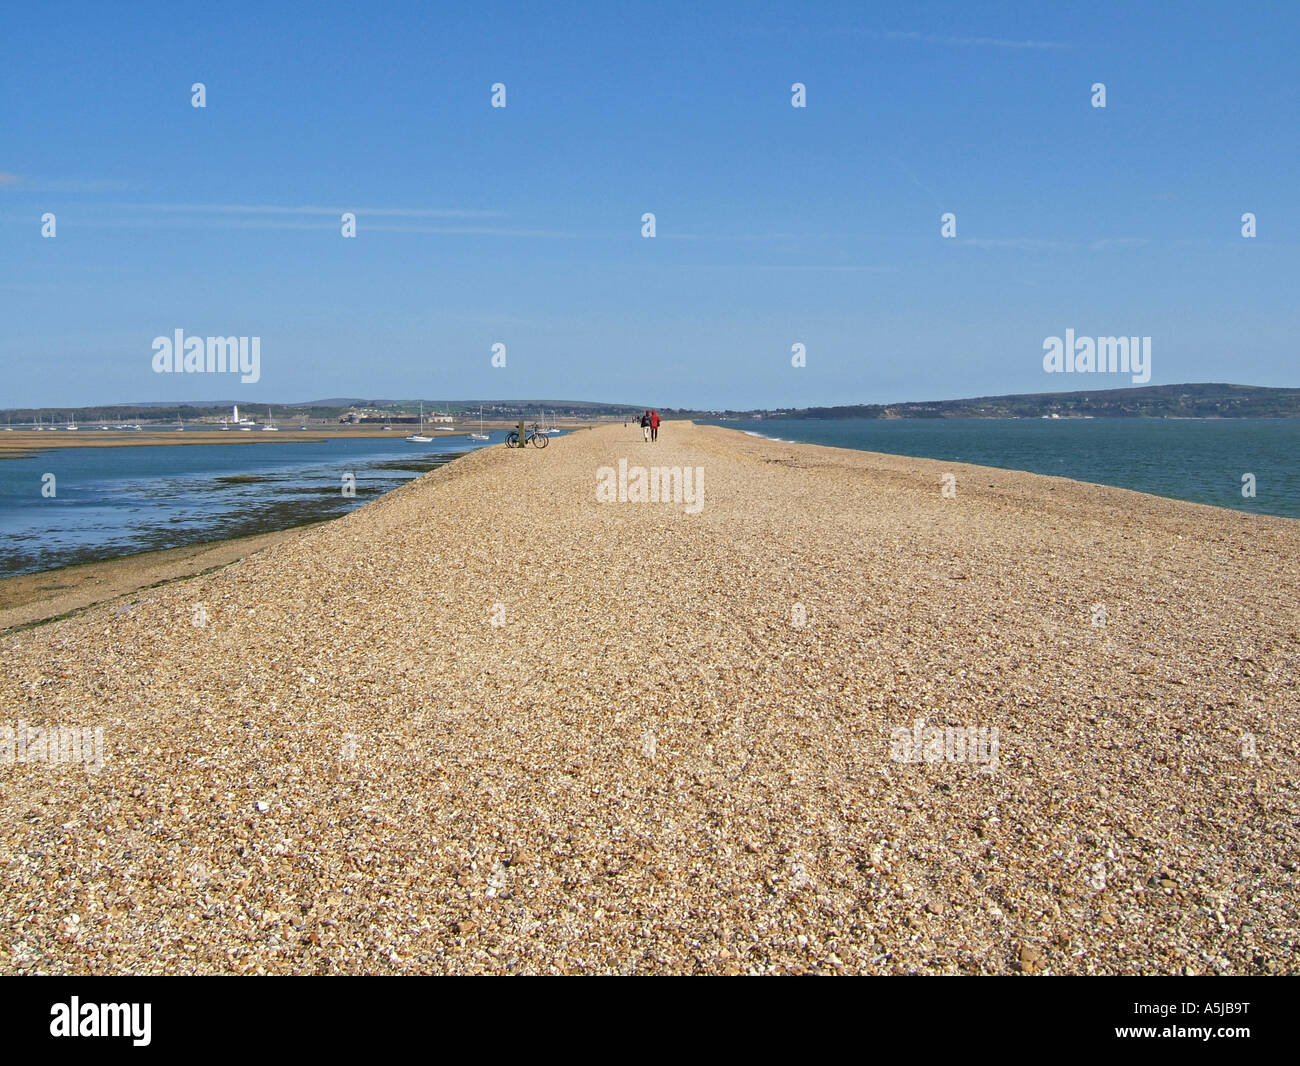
420 438
551 429
270 426
480 435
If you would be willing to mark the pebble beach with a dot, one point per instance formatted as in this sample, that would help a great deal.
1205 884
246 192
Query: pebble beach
492 723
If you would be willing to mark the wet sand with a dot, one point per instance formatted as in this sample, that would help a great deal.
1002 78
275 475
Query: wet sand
27 599
21 443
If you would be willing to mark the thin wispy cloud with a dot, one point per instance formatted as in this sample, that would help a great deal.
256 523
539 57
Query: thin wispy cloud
1024 244
390 220
77 186
1038 244
304 209
183 222
826 268
970 42
485 231
741 236
1118 242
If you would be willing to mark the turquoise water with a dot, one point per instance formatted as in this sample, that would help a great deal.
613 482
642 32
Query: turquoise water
111 502
1201 460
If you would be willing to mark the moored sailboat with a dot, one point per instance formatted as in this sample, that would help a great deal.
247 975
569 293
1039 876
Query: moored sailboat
480 435
420 438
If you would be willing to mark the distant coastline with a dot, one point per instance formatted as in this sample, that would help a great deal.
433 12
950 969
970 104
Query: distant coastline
1193 401
1203 400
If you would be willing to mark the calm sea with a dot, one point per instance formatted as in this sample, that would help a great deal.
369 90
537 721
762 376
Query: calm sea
111 502
1202 460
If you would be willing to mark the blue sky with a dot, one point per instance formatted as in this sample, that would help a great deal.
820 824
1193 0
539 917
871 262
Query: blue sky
521 225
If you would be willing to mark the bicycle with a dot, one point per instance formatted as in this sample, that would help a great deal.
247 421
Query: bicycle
533 434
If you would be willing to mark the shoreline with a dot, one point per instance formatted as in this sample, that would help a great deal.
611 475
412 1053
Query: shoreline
23 444
98 581
48 595
1176 484
293 517
140 570
196 438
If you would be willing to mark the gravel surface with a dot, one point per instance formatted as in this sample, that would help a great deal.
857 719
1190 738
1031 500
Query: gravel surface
681 751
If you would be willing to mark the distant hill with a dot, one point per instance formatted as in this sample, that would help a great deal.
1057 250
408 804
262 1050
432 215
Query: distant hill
1146 401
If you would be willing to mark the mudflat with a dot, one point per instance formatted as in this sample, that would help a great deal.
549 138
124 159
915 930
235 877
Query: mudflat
23 443
26 599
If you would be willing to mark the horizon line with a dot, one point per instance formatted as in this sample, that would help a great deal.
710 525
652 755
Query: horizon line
355 401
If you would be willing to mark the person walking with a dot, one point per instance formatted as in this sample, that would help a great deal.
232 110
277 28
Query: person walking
645 427
654 425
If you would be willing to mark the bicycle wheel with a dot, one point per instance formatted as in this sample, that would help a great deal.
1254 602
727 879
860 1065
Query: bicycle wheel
512 439
540 440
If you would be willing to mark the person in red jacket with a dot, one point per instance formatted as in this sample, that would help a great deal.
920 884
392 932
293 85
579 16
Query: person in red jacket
654 425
